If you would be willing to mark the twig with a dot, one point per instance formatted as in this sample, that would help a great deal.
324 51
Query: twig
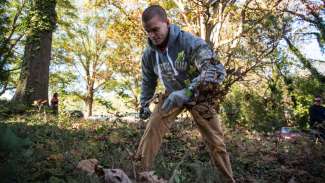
171 180
133 166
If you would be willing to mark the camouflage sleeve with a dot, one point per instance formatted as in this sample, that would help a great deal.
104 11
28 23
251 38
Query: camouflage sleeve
149 80
203 57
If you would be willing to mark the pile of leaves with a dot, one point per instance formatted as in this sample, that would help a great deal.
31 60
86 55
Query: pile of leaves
38 149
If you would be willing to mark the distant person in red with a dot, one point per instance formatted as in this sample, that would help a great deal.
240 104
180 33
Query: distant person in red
55 103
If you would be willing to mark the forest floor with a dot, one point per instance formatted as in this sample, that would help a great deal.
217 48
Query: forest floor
36 150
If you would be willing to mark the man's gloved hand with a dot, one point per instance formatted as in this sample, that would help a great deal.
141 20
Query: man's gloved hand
177 99
209 79
144 112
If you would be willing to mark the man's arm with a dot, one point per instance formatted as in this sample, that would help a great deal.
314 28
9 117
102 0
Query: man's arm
149 81
205 60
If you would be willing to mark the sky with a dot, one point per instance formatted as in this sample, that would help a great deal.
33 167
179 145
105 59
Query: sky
312 51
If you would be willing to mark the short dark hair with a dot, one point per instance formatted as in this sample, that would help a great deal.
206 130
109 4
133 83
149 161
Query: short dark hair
152 11
318 96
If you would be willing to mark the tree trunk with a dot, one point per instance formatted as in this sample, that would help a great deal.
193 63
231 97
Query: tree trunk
34 75
89 107
90 99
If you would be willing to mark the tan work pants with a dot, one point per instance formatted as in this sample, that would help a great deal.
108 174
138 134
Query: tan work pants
208 125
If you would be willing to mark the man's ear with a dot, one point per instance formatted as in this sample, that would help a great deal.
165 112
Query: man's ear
168 22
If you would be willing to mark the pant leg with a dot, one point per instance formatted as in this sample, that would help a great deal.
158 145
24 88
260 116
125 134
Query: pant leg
159 124
209 127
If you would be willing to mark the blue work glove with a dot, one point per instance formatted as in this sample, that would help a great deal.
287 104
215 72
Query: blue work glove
144 112
177 99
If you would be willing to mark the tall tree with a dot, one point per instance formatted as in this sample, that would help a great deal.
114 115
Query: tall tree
127 65
3 47
126 33
12 30
85 49
34 75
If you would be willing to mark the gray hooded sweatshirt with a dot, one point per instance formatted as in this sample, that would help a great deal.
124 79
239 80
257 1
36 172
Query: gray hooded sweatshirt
184 58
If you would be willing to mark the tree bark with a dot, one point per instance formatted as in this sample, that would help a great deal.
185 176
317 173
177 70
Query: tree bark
90 99
89 105
34 75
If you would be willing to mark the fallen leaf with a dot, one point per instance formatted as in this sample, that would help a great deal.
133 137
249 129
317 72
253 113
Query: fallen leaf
88 165
56 157
116 138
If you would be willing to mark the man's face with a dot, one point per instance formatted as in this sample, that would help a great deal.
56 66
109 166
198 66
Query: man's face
157 30
318 101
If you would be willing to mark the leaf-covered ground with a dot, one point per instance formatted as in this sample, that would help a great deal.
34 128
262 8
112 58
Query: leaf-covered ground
32 150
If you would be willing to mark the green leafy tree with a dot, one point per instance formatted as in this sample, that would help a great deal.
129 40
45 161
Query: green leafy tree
34 75
13 25
84 49
126 32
